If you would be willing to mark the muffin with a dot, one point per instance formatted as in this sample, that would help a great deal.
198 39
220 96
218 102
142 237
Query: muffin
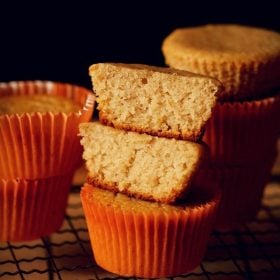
155 100
144 166
243 129
40 151
39 126
147 216
132 237
245 59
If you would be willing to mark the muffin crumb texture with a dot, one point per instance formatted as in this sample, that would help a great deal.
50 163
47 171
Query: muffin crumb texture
145 166
162 101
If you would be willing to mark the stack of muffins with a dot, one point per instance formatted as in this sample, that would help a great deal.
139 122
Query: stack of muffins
166 234
244 127
39 152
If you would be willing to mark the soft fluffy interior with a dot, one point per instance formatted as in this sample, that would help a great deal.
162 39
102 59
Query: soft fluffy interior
138 163
157 100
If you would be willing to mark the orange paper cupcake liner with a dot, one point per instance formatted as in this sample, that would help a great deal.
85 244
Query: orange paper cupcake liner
241 81
154 243
41 145
242 190
243 132
30 209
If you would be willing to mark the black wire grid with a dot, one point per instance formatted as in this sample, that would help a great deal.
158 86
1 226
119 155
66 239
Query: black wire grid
253 252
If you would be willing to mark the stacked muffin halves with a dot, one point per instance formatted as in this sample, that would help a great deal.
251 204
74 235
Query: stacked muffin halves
146 215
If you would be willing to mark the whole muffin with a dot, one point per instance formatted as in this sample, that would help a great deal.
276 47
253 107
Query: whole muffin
245 59
242 131
133 237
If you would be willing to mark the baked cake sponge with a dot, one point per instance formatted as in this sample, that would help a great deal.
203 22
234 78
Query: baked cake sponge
162 101
145 166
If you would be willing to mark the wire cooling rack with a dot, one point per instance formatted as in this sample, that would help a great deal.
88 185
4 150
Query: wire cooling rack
253 252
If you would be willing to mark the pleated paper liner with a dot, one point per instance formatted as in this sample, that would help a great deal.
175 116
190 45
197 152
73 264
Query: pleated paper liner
243 132
240 81
242 190
41 145
30 209
132 237
276 167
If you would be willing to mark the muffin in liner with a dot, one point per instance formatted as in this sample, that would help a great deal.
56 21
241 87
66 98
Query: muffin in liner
30 209
243 132
242 190
41 145
133 237
245 59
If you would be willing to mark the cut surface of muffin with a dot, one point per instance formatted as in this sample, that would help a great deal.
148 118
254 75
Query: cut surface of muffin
148 167
158 101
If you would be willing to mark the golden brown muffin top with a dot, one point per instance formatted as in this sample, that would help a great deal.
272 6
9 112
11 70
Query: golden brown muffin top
19 104
224 41
196 198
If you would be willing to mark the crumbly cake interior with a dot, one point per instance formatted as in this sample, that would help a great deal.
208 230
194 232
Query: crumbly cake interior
158 100
139 164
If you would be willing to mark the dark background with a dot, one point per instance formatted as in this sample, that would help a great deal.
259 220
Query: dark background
59 42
